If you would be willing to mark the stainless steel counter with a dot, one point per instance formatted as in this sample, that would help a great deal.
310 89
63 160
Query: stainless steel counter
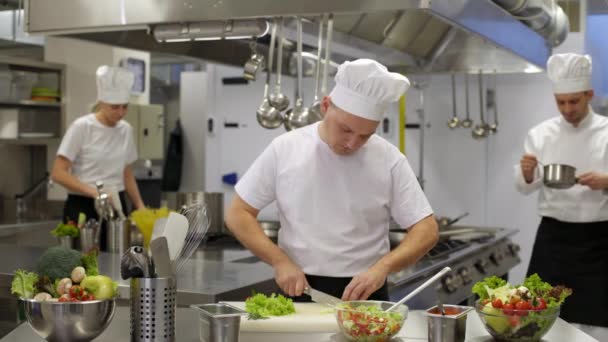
414 330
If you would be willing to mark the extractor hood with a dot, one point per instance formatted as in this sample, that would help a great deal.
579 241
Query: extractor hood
410 36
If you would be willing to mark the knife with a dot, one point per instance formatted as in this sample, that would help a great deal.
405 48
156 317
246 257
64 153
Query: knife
322 297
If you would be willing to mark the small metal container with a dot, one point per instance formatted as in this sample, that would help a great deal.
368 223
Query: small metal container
88 236
118 235
66 241
219 322
153 302
559 176
450 327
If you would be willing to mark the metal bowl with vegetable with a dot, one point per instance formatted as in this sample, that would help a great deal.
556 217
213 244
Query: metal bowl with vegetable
519 313
368 321
69 321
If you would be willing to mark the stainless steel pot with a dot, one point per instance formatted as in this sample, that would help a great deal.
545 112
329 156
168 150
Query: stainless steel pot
271 228
559 176
214 201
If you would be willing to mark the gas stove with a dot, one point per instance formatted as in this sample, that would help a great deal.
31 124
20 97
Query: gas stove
471 260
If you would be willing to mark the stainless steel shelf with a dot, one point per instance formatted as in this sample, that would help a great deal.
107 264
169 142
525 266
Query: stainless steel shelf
30 103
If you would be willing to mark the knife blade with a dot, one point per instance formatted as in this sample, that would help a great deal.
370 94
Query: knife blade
322 297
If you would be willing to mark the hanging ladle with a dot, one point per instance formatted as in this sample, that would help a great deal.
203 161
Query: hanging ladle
277 99
315 109
299 115
267 115
420 288
467 122
481 130
454 121
494 126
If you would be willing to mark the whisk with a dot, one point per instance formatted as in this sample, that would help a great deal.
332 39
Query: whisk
198 224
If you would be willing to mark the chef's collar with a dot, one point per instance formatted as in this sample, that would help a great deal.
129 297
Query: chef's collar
585 123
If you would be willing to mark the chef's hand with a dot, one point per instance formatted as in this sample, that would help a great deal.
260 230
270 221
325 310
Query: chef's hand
290 278
594 180
528 164
364 284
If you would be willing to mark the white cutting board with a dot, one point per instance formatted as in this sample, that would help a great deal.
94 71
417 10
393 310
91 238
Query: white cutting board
309 317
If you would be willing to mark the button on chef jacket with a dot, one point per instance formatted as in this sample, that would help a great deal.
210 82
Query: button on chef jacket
334 210
585 147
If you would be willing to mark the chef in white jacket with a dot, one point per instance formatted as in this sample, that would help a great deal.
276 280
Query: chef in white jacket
571 245
336 185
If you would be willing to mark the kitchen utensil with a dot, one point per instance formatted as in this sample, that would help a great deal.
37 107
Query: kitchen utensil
267 115
559 176
322 297
73 321
440 306
118 235
160 255
138 255
446 222
454 121
467 122
449 325
315 109
130 267
492 104
277 99
89 237
198 221
159 227
254 64
66 241
214 204
482 129
299 115
271 228
220 322
420 288
354 322
153 303
176 230
116 203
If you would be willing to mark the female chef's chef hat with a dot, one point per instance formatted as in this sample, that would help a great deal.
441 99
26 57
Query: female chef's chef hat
114 84
365 88
569 72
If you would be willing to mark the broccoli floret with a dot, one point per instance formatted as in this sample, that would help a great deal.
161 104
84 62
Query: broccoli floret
58 262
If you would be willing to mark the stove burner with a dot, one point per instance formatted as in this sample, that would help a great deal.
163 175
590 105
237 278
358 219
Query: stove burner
444 248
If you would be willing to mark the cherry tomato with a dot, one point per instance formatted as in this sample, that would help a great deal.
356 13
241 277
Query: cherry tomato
63 299
542 305
497 303
507 309
76 292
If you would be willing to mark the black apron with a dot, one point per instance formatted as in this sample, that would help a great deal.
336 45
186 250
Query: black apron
335 287
76 204
575 255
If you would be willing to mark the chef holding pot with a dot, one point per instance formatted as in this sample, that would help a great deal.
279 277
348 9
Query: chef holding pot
99 147
570 246
337 184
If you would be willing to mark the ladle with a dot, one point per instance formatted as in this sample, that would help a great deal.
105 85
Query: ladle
494 125
277 99
482 129
420 288
299 115
267 115
467 122
315 109
454 121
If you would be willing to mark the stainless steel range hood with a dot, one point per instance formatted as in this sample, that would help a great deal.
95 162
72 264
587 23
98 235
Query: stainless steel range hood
407 35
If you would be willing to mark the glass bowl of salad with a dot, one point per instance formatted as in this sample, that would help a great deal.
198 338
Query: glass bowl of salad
367 320
516 325
524 312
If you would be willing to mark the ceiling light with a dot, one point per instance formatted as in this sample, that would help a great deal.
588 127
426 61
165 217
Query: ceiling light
211 30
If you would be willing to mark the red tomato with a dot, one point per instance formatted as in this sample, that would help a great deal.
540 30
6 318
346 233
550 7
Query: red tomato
542 305
521 308
497 303
514 321
507 309
64 299
76 292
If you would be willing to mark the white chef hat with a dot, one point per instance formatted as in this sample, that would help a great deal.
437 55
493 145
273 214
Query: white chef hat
569 72
114 84
365 88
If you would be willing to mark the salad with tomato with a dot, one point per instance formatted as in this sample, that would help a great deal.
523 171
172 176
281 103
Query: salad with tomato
524 312
368 322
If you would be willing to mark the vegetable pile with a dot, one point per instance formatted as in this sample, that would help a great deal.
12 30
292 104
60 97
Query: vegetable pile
368 323
64 275
260 306
524 312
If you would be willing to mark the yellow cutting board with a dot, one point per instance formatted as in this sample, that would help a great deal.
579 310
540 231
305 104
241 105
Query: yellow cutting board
309 317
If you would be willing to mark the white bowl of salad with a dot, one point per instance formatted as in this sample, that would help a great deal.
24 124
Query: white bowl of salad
367 321
518 313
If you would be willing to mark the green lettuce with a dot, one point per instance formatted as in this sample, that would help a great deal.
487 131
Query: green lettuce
492 282
65 230
23 284
260 305
89 262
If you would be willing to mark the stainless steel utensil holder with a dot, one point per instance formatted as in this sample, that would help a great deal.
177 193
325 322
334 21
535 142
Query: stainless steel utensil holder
153 302
118 235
